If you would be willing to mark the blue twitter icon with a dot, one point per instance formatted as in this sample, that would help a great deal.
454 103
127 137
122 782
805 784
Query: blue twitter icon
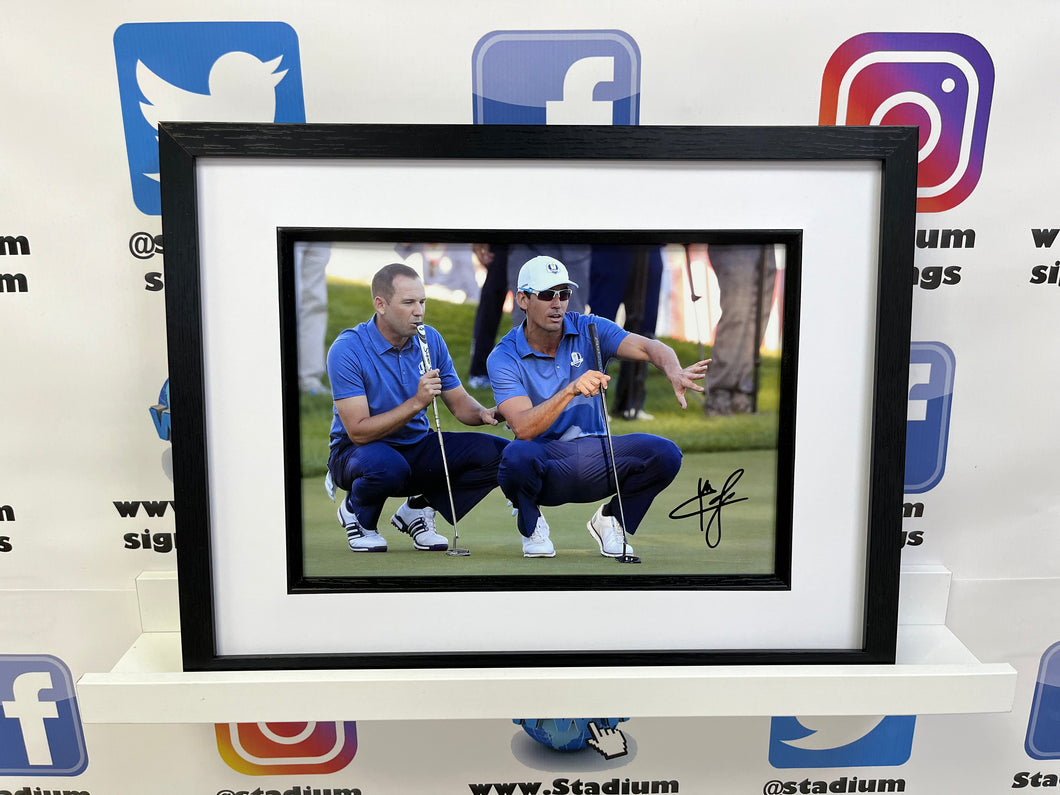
850 741
201 71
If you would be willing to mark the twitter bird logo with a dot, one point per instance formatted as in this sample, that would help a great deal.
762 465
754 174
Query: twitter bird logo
842 741
201 71
241 88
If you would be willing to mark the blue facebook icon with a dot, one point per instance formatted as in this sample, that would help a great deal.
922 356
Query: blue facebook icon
40 726
931 369
1043 729
556 77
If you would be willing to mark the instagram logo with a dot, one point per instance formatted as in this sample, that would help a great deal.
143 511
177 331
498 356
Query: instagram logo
265 749
941 82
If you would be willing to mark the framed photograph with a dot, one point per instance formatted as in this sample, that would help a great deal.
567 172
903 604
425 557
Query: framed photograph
778 540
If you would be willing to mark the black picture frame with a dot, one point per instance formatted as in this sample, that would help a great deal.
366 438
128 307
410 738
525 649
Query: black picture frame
205 461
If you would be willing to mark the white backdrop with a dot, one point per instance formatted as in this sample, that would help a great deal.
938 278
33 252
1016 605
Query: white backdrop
83 475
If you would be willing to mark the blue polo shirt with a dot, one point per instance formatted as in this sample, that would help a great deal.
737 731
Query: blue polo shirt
362 362
517 369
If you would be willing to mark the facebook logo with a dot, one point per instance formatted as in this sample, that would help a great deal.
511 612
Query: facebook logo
201 71
1043 729
931 368
556 77
40 727
851 741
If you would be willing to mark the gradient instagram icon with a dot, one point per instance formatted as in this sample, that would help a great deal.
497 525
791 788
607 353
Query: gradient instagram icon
941 82
266 749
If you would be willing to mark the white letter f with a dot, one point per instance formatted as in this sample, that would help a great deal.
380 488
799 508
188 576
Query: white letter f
30 712
577 105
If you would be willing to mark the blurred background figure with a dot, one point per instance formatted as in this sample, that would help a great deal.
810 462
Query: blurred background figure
746 277
629 277
447 269
311 291
494 258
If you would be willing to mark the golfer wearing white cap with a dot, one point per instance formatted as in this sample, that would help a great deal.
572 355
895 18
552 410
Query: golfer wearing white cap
545 381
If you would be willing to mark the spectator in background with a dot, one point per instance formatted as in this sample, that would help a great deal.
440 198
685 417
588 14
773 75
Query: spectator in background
494 258
629 276
311 291
746 276
447 269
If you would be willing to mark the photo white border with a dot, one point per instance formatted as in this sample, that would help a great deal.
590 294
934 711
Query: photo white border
241 203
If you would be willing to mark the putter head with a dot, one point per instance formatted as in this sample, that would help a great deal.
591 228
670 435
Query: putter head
458 553
628 559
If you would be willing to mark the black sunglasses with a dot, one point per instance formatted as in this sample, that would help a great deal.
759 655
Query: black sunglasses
548 295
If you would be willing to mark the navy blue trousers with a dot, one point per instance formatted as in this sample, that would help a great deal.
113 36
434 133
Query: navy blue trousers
534 473
372 473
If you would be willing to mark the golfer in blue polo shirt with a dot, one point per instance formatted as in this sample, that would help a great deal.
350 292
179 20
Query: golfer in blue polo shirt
545 380
381 443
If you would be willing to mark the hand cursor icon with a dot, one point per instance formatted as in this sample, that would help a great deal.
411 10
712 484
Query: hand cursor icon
610 743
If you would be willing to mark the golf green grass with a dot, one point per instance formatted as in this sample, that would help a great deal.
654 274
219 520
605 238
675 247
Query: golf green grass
666 546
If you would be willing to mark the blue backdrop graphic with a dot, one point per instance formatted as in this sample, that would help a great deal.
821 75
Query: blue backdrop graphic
931 372
1043 729
40 727
888 743
201 71
556 77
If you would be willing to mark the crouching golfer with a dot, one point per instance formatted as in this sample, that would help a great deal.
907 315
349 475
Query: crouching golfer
381 441
545 381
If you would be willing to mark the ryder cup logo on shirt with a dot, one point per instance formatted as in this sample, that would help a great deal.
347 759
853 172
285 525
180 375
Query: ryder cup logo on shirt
201 71
556 77
941 82
576 359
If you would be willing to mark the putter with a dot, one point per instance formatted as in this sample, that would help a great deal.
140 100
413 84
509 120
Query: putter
625 557
454 550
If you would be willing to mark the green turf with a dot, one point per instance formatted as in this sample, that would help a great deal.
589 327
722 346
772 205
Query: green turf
666 546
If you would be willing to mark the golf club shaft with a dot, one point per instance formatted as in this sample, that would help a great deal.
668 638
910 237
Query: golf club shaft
692 290
421 337
607 428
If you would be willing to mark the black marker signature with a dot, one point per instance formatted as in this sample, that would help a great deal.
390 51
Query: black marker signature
711 533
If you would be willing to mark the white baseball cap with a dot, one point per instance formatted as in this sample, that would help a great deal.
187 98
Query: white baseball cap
542 273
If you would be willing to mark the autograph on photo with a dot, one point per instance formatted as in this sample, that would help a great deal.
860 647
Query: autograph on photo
712 530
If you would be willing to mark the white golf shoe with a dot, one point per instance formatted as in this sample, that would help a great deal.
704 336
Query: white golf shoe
419 524
607 532
539 545
360 539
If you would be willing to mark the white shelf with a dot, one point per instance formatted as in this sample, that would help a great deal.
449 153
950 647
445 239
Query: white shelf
935 674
